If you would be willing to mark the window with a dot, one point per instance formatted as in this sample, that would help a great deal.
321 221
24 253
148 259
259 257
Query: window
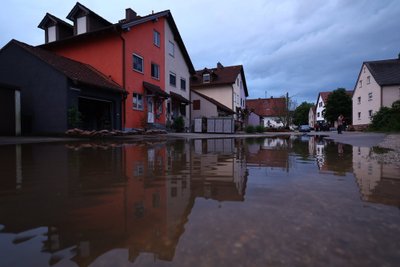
183 84
137 101
81 25
206 77
171 48
172 79
360 83
370 113
359 100
368 79
155 71
320 104
364 69
237 81
51 34
359 115
156 38
196 104
317 114
369 96
138 63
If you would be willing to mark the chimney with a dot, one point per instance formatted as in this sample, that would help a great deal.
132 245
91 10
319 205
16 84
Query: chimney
219 65
130 14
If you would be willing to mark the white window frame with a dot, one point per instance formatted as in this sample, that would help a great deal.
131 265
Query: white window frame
370 96
171 49
133 63
137 101
81 25
206 78
156 38
51 34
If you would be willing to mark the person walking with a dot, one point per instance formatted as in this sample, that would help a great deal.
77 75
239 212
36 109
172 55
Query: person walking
340 123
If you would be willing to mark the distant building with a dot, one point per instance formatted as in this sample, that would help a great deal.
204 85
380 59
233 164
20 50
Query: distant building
272 110
311 117
378 85
227 85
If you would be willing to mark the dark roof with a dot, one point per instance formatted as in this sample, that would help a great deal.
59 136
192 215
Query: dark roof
155 89
215 102
179 97
51 18
219 76
79 7
267 107
125 25
385 72
74 70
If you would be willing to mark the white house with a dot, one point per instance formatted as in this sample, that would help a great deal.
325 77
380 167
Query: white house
378 85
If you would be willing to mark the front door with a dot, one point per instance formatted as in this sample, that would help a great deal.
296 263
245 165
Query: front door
150 110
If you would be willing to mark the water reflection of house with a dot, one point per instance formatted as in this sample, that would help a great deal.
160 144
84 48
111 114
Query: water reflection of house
93 199
271 152
378 183
218 170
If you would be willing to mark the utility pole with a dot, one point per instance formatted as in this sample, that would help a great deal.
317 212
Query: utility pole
287 110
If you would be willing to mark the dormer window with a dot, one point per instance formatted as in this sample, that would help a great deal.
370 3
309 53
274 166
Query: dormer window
206 77
51 34
81 25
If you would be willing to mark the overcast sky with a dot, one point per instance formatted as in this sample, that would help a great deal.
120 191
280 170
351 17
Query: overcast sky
302 47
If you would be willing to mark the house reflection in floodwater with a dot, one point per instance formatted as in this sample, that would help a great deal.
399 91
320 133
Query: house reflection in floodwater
378 183
95 203
218 169
268 152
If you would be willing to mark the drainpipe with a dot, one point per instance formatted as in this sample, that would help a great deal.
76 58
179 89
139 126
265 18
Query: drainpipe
123 82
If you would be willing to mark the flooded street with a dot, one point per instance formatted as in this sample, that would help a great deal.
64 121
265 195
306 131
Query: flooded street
209 202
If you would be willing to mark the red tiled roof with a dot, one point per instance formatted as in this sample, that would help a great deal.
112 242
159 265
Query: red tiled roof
219 76
74 70
267 107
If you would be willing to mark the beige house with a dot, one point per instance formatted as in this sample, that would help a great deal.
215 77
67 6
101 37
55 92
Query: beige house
226 85
311 117
378 85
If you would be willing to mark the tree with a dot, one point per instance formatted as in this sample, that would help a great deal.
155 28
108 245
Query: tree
338 102
300 115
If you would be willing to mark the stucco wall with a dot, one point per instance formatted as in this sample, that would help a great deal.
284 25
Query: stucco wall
221 94
362 91
207 109
390 94
177 65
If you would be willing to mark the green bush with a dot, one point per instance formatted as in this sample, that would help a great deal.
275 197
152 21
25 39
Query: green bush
250 129
387 119
179 124
260 128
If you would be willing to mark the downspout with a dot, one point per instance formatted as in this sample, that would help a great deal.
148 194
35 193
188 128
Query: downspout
123 83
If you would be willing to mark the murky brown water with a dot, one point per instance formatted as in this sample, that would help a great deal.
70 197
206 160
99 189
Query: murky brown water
216 202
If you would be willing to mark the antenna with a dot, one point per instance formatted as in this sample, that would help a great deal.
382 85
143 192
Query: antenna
265 93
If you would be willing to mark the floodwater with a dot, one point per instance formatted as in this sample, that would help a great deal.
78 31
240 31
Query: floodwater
212 202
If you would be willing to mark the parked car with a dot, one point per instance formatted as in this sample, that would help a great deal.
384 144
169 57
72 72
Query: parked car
304 128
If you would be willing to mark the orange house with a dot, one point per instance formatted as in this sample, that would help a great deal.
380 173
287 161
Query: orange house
131 52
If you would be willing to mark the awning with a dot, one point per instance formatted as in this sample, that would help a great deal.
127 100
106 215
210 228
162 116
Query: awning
179 98
156 90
